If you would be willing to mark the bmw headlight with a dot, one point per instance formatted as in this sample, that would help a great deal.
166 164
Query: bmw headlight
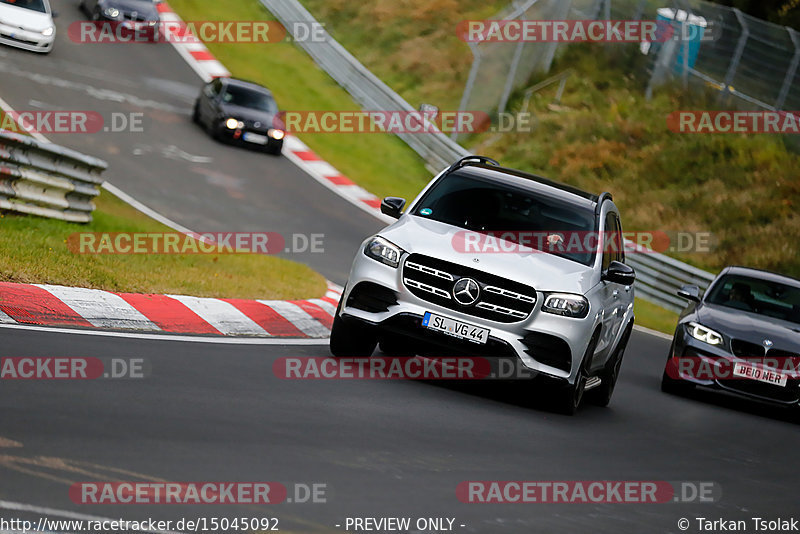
276 134
383 251
233 124
566 304
111 12
704 334
47 32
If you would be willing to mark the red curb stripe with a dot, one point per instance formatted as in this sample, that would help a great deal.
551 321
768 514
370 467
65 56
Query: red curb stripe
168 314
163 8
372 202
307 155
329 300
202 55
29 304
339 180
274 323
315 311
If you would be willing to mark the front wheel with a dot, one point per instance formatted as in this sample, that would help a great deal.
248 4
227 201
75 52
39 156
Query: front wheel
351 339
601 395
675 387
568 399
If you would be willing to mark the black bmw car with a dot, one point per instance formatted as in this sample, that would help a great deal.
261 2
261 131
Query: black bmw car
742 336
240 112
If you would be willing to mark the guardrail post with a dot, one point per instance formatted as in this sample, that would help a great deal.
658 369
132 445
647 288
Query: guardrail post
737 55
473 74
791 71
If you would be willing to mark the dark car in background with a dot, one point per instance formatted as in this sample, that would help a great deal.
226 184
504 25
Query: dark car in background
123 11
742 336
240 112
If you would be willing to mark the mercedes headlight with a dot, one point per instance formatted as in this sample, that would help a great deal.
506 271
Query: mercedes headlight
47 32
383 251
706 335
566 304
233 124
111 12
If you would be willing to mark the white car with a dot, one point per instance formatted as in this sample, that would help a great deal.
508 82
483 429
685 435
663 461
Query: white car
27 24
563 313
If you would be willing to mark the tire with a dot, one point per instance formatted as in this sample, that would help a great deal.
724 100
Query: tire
568 398
601 395
351 339
675 387
196 114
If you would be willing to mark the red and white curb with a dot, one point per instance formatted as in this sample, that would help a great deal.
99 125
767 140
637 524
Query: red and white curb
191 48
203 62
50 305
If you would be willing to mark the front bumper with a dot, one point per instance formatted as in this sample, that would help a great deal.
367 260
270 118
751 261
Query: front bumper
27 40
505 339
711 367
237 137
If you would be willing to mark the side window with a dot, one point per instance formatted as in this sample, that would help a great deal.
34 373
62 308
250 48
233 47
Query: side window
213 88
612 241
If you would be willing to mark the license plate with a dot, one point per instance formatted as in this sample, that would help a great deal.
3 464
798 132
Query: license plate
757 373
454 328
258 139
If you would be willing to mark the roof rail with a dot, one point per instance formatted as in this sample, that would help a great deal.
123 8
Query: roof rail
463 161
605 195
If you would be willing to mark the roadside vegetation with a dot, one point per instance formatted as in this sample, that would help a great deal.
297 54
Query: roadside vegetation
35 250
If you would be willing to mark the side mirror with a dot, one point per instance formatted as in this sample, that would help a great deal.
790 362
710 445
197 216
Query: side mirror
393 206
690 293
619 273
54 14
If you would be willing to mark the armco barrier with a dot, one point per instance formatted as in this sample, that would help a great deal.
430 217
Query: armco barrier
48 180
658 276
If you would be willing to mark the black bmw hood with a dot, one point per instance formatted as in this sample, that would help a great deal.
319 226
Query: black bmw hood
750 326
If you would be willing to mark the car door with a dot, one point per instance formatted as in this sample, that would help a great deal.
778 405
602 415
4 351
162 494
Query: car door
612 295
208 103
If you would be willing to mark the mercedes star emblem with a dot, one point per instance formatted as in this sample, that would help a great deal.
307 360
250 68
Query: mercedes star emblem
466 291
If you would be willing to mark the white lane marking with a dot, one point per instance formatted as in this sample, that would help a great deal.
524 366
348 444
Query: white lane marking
20 507
36 135
298 317
650 331
101 308
125 197
5 319
222 315
220 340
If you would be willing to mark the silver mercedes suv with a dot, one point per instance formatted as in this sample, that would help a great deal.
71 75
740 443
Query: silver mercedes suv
494 262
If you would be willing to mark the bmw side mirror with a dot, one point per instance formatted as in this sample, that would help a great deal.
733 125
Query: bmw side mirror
619 273
393 206
690 293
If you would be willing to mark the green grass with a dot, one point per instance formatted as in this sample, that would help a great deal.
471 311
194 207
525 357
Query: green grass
381 163
655 317
34 250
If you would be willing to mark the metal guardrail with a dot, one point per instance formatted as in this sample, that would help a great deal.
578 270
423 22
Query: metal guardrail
47 180
435 148
658 276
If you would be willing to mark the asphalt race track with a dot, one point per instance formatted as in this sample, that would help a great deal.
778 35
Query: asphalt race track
217 412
